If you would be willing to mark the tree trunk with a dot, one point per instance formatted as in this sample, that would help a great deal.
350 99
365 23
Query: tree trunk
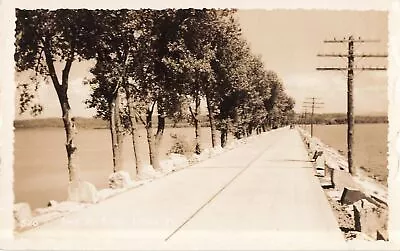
212 122
70 131
160 124
116 137
160 130
263 128
68 120
237 135
196 122
119 129
224 137
150 140
134 131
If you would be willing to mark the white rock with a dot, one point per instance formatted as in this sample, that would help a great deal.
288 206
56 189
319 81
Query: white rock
216 151
320 172
147 172
179 161
320 162
82 191
22 214
52 203
231 145
334 194
167 165
205 154
365 204
120 179
194 158
313 146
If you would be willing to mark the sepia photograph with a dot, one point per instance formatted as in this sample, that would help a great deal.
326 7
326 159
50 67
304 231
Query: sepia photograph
201 128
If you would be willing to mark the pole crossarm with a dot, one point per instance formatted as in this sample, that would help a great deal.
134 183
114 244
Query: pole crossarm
354 68
350 69
312 103
359 40
316 103
355 55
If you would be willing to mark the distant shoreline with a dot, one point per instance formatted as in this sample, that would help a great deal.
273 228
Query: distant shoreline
96 123
341 118
81 123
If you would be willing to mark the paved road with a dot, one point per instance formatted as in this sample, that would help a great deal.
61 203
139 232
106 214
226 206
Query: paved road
262 195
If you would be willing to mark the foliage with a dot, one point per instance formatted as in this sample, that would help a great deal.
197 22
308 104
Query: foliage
180 145
44 37
158 60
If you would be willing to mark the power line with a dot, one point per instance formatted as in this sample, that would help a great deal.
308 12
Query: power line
312 103
350 41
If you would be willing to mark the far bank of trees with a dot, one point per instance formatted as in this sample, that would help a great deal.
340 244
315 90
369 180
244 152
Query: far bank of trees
338 118
150 63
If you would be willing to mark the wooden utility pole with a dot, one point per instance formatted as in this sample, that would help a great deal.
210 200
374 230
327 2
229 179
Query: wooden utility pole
304 118
350 77
312 103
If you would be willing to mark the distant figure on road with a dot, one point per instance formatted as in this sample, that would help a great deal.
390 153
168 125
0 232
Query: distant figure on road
291 126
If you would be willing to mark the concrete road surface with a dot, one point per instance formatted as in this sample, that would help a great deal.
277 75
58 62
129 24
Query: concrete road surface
262 195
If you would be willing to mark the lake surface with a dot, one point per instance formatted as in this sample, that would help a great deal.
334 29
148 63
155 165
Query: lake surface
370 146
40 164
40 161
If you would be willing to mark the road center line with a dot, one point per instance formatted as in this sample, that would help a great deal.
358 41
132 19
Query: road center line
220 190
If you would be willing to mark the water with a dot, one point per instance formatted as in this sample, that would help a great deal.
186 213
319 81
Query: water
40 165
370 146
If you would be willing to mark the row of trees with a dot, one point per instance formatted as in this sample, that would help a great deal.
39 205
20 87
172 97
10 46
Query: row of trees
151 62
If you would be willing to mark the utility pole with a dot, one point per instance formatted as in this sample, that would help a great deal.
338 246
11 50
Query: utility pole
305 118
312 103
350 78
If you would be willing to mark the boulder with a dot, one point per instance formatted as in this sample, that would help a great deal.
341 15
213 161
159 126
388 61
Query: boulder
205 154
382 235
120 179
194 158
366 219
52 203
349 196
147 172
167 165
320 164
179 161
313 146
216 151
22 214
82 191
231 145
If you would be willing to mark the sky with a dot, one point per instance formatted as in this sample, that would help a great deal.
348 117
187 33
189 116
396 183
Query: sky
288 42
